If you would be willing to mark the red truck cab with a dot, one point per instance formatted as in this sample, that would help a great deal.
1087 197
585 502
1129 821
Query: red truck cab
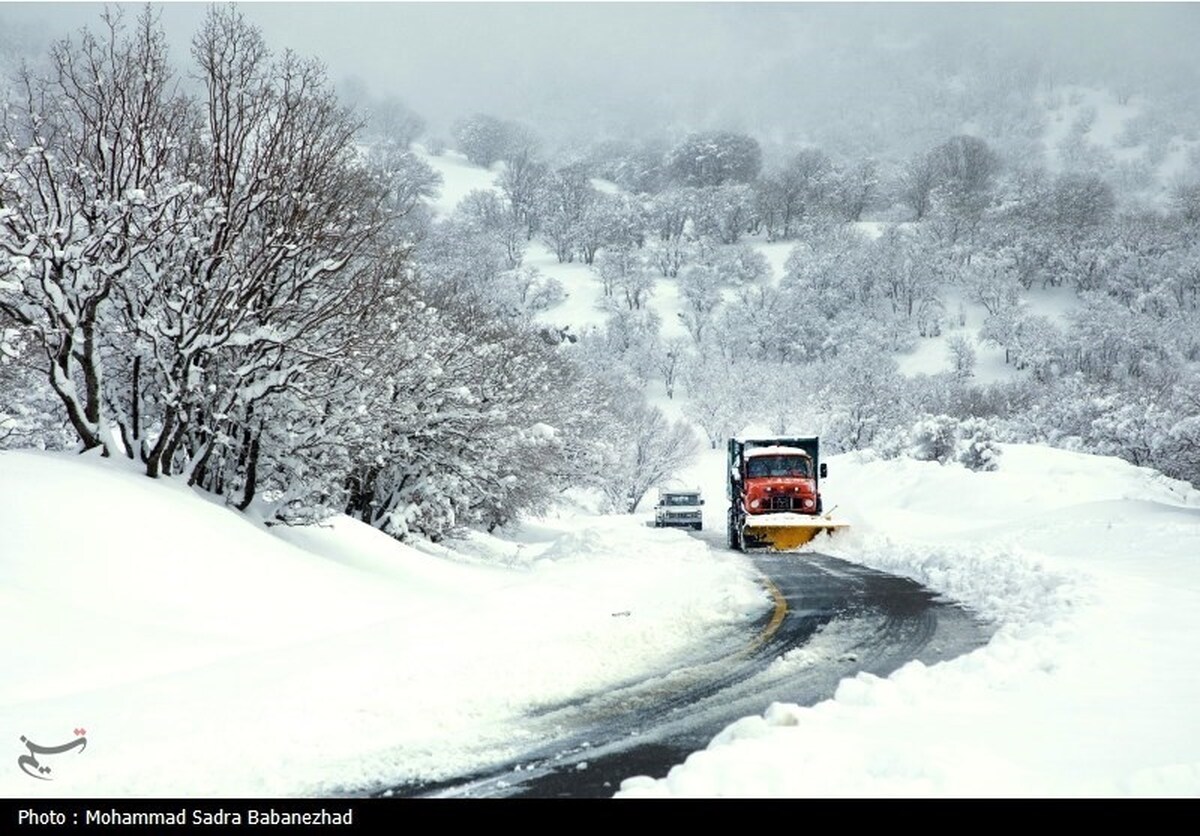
779 479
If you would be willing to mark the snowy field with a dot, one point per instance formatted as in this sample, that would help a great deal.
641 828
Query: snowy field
207 655
459 178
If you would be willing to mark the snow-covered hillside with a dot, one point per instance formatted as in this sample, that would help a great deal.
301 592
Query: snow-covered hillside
582 306
1097 128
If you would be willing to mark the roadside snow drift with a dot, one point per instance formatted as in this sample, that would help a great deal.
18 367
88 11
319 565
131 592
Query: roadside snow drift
203 654
1092 568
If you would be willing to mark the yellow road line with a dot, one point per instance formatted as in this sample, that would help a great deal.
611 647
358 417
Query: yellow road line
776 617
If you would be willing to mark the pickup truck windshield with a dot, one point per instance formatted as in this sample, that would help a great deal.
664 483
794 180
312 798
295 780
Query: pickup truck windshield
681 500
793 466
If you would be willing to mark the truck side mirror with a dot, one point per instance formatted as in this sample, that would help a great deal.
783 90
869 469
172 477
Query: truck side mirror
702 502
824 470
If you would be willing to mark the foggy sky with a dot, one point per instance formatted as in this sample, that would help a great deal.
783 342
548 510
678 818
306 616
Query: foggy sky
635 66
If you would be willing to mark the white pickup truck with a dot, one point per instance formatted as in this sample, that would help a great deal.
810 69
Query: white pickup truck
680 509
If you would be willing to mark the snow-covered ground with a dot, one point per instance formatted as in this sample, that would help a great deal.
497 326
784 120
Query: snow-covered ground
203 654
1094 112
931 355
1093 121
1092 568
207 655
459 178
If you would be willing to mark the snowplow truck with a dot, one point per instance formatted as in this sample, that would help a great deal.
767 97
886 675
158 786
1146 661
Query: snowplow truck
774 490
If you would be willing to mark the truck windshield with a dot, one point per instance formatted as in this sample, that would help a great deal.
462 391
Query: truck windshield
794 466
681 500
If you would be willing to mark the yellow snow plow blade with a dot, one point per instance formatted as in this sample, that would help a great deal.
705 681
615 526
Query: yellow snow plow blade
791 534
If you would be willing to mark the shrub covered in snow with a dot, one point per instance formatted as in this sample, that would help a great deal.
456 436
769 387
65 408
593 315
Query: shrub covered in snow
978 449
934 439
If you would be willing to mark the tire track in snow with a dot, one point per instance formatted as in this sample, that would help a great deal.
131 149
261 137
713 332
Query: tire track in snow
832 619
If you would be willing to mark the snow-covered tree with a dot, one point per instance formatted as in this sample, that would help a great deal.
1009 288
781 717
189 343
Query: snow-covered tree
856 188
1037 345
718 397
864 396
388 120
625 346
407 181
460 260
920 177
670 358
620 267
646 450
668 256
92 157
715 158
725 212
802 190
1180 452
392 119
741 265
636 167
467 422
962 357
908 269
669 213
606 220
485 211
978 449
826 265
483 138
700 287
967 163
1185 196
521 182
1133 428
934 438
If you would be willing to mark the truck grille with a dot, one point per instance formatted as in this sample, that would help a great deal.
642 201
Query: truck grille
783 503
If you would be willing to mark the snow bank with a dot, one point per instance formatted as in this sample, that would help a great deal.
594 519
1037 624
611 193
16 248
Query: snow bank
206 655
1090 566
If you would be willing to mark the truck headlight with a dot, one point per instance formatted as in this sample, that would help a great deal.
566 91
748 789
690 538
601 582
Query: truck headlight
754 503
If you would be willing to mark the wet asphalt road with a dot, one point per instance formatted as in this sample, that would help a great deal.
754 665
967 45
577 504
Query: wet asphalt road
840 619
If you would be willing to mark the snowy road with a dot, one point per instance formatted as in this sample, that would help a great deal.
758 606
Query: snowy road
832 619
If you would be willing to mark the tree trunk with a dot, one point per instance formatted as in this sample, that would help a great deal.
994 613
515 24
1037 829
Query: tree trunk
154 460
251 475
60 380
